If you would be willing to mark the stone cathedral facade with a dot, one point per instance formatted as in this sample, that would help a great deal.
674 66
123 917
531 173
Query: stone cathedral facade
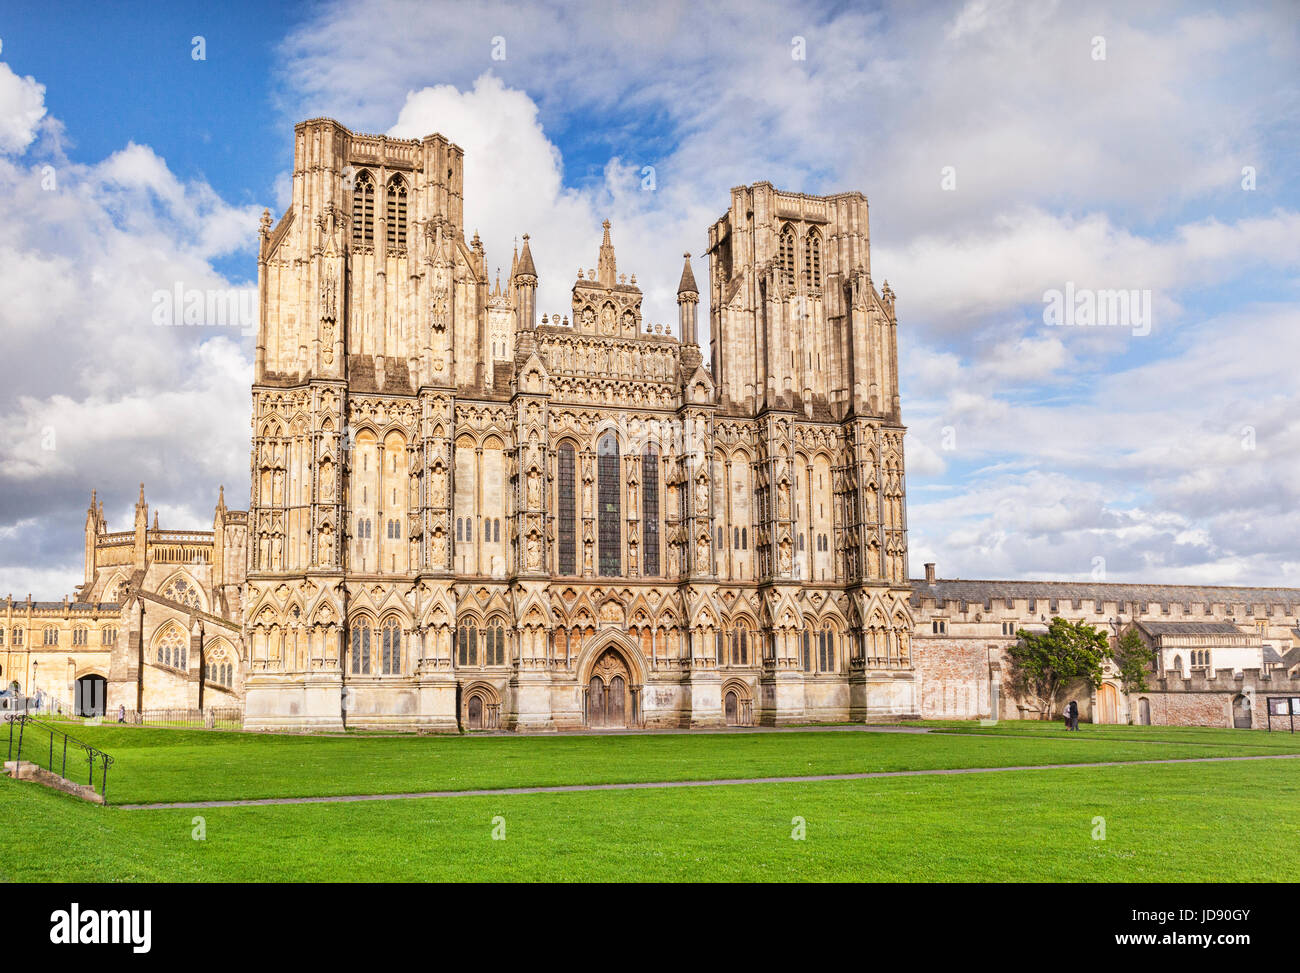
467 515
464 515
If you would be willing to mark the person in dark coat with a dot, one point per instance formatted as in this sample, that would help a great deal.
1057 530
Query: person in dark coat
1072 712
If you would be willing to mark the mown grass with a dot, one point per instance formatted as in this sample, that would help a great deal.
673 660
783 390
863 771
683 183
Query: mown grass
155 765
1190 822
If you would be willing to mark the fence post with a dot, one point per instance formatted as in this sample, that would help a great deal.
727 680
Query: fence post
21 727
64 772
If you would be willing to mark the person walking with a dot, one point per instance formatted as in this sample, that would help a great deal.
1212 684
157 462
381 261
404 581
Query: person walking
1072 715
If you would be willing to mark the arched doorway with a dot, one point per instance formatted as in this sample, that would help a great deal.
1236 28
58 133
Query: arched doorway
91 693
474 717
1107 704
607 702
1144 711
1241 715
737 705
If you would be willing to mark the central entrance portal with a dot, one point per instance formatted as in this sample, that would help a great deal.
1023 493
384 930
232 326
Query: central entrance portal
607 692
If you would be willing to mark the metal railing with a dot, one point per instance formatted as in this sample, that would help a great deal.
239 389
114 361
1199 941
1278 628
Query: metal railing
49 747
212 718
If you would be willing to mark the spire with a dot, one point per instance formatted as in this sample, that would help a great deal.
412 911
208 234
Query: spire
514 261
155 520
526 267
221 496
687 285
606 269
140 502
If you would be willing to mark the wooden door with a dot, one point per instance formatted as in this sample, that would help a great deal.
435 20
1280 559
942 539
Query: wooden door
1144 712
1241 716
596 702
1107 704
730 707
614 703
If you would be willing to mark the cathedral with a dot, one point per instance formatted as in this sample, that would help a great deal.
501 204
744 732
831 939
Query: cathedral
465 515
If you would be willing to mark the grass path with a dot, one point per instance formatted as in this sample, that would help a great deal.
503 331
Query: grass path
642 785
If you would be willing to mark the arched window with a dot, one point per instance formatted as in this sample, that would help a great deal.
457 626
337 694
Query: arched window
567 550
392 647
496 531
51 635
826 650
608 529
812 258
740 647
467 644
788 255
744 538
736 538
79 635
182 591
650 509
396 213
717 646
363 210
494 647
361 647
459 524
807 652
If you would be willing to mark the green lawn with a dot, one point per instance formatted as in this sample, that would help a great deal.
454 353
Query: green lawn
1221 822
1198 822
157 765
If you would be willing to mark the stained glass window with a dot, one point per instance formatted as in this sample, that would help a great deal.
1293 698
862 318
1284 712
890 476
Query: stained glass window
609 532
650 509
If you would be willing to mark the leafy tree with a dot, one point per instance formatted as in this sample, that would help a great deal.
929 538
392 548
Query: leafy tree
1134 660
1044 663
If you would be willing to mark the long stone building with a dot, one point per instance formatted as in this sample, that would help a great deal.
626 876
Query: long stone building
465 513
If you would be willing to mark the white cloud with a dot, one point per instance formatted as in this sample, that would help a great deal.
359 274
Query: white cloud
22 106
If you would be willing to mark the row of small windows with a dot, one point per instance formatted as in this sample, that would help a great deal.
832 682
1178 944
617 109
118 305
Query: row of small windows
491 529
812 256
172 653
1200 658
363 211
50 636
488 644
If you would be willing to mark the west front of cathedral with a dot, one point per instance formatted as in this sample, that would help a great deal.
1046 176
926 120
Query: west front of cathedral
466 514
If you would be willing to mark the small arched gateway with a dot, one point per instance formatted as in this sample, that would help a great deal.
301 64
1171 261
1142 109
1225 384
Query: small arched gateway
481 708
92 690
737 704
1241 714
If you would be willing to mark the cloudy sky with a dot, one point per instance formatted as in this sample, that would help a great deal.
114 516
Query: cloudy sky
1007 150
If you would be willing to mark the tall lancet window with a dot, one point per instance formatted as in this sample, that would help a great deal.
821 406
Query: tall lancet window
609 533
567 550
650 509
395 213
789 254
812 258
363 210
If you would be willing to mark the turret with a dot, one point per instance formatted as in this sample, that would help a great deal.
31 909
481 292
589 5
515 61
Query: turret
688 302
525 282
93 530
141 531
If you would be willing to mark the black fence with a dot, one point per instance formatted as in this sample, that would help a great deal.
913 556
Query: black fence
49 747
212 718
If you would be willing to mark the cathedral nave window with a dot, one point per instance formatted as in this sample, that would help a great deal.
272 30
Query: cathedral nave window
363 210
826 650
494 643
610 485
567 547
392 647
467 644
361 647
396 213
650 509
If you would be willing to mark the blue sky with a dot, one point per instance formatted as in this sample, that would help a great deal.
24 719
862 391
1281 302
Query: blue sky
1033 451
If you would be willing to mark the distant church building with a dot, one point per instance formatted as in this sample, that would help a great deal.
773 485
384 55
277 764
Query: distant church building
466 514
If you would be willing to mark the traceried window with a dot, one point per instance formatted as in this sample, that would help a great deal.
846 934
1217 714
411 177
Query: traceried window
826 650
79 635
392 647
788 255
806 661
494 644
567 552
182 591
171 649
363 210
18 637
51 635
396 213
361 634
608 531
812 258
467 644
650 509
